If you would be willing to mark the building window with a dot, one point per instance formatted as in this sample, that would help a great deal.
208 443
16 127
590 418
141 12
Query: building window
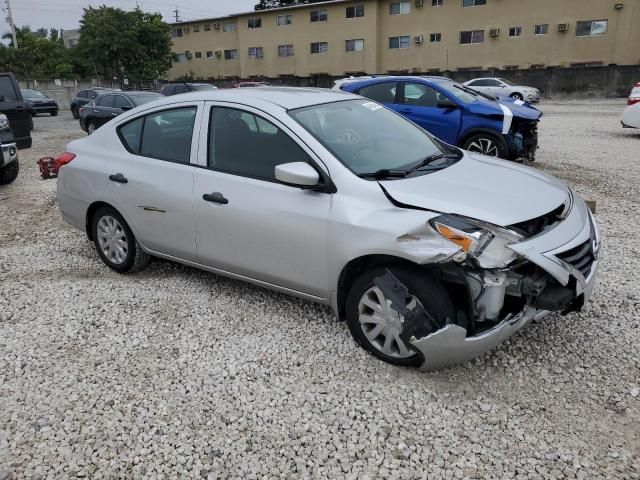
536 66
198 54
319 16
591 27
209 53
355 45
435 37
586 64
400 8
471 36
319 47
436 3
355 11
177 32
207 27
541 29
229 27
285 50
196 28
230 54
284 20
254 22
399 42
511 67
473 3
515 31
255 52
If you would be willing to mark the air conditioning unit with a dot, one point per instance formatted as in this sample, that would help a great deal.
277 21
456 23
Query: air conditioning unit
494 32
563 27
419 3
216 26
418 39
218 53
188 55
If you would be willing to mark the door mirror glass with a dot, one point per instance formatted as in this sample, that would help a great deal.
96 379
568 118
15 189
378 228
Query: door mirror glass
446 103
300 174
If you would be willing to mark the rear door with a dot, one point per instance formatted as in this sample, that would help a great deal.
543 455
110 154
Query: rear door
419 103
14 107
103 110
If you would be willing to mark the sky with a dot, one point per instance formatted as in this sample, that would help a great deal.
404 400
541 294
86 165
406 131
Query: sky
66 14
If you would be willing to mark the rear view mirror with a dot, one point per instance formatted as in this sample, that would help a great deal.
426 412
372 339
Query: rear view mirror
299 174
446 103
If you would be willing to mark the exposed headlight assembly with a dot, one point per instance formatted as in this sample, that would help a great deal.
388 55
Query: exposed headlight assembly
484 242
4 121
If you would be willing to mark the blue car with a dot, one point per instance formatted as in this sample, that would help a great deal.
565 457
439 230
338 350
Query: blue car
456 114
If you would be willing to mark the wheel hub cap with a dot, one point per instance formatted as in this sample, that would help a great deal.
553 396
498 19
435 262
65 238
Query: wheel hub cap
484 146
112 239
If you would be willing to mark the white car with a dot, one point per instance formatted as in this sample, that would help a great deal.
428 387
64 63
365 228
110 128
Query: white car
634 96
433 255
504 88
631 116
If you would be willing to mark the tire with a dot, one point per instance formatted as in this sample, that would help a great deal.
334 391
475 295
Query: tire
486 144
9 173
91 127
129 258
517 96
431 294
54 113
75 113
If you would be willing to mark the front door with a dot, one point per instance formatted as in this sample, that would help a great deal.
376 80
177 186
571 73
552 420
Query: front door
246 222
151 179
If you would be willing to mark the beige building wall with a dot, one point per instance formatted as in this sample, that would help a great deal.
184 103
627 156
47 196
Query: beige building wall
618 46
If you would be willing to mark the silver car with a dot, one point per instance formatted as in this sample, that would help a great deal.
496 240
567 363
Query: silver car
431 254
501 87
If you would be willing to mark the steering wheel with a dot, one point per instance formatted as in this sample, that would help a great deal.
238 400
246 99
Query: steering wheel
349 136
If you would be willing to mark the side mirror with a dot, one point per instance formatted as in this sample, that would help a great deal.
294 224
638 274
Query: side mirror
126 107
446 103
298 174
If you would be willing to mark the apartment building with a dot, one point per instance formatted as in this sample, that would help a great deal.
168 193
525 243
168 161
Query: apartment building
385 36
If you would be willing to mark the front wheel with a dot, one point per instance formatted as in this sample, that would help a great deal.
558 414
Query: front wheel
115 242
486 144
516 96
54 113
377 323
9 173
91 127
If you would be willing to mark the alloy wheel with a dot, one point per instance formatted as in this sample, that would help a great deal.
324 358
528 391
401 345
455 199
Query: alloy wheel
91 128
112 239
486 146
382 324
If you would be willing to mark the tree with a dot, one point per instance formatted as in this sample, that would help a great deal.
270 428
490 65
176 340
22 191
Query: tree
121 44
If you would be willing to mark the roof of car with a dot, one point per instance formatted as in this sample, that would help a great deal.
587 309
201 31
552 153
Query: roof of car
377 78
286 97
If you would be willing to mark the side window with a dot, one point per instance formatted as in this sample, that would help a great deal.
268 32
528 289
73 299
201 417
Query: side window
82 94
131 135
493 83
121 101
105 101
245 144
180 89
420 95
7 89
380 92
91 94
167 134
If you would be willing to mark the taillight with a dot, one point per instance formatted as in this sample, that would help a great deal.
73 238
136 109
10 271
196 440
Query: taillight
633 101
64 158
81 109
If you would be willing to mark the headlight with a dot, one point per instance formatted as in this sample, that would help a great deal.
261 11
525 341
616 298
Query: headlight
4 121
484 242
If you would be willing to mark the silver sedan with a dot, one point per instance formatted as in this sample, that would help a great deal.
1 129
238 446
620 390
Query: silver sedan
431 254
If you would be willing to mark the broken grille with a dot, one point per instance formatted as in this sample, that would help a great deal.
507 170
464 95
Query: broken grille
581 257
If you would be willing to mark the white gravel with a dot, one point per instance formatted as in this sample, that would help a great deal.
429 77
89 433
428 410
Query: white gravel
176 373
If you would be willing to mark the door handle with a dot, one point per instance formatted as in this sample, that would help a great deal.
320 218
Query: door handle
118 177
215 197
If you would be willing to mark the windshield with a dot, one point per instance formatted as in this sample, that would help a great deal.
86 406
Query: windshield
462 93
32 93
507 82
203 86
366 137
143 98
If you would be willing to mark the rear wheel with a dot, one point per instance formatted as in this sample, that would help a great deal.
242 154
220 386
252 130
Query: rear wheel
9 173
486 144
75 113
91 127
115 242
517 96
377 325
54 113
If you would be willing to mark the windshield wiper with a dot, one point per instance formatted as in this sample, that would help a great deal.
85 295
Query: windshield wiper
433 158
384 173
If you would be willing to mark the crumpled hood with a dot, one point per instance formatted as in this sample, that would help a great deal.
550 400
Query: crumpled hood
488 107
484 188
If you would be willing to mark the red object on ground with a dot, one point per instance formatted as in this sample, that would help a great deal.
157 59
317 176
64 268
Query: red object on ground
48 168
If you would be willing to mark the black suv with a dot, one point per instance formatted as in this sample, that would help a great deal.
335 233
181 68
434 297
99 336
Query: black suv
85 96
15 127
184 87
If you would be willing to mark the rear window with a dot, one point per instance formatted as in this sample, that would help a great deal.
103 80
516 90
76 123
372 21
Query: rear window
380 92
105 101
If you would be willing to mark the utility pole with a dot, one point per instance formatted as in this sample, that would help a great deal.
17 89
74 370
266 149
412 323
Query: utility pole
11 24
174 11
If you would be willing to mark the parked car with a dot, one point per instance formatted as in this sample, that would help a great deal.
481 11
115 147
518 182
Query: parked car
631 116
634 96
85 96
185 87
16 110
433 255
109 105
252 84
455 114
39 102
8 152
501 86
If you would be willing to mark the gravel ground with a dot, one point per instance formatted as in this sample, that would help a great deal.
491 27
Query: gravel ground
179 373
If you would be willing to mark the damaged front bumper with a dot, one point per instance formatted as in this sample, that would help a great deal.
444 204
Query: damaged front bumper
573 265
